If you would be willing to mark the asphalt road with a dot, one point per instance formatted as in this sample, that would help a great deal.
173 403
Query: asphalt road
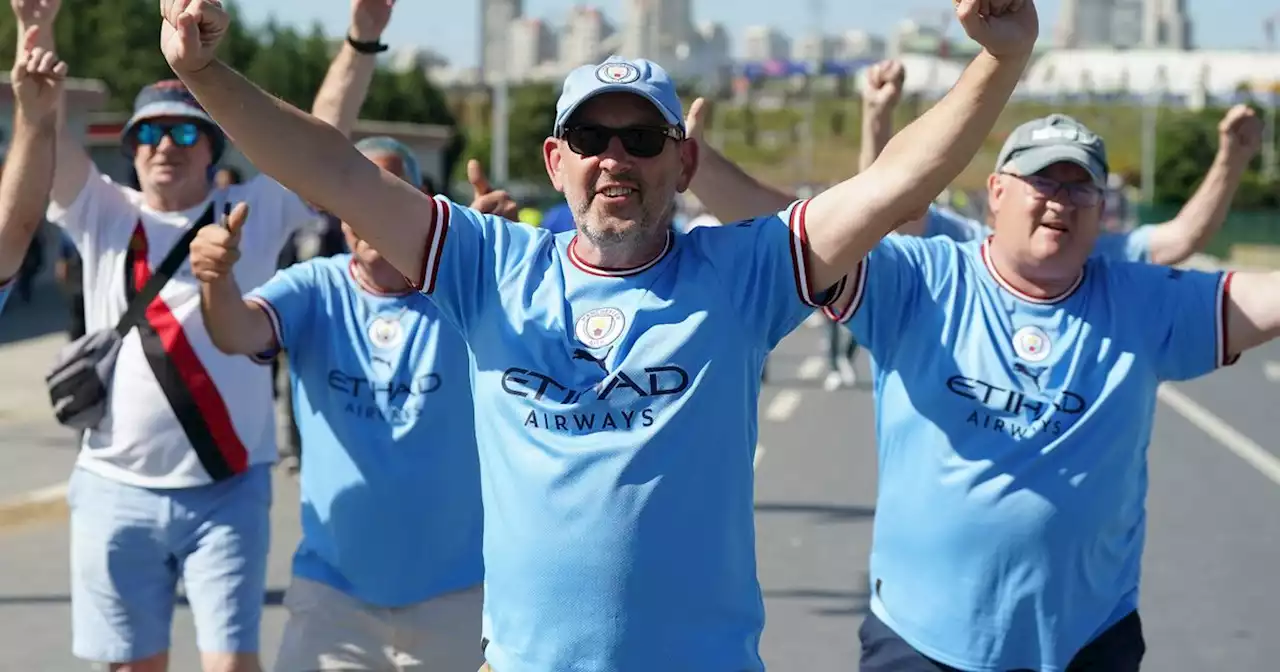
1211 597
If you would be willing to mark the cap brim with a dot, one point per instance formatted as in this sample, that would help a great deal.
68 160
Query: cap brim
670 116
168 109
1036 159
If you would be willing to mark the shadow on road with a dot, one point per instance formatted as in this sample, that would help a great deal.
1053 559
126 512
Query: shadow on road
825 511
827 602
273 598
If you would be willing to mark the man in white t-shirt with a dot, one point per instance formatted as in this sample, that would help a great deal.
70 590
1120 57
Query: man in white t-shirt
175 482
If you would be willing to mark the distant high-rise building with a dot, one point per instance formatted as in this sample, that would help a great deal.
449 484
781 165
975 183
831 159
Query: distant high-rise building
762 43
1124 24
496 17
531 44
659 30
584 36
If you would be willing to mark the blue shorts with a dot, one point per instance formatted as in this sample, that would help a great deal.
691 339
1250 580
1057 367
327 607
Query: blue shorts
130 545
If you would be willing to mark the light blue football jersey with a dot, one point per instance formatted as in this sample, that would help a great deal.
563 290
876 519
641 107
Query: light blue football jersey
1132 245
5 287
1012 436
617 437
391 510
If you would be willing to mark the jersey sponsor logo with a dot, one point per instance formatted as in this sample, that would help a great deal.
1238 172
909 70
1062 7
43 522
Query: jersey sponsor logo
641 391
396 401
386 332
617 73
1031 344
1016 413
600 327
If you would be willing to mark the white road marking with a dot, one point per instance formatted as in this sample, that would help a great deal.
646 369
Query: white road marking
1244 447
811 368
755 463
782 406
39 496
1272 371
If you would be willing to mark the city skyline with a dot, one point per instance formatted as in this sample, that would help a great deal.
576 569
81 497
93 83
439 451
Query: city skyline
417 24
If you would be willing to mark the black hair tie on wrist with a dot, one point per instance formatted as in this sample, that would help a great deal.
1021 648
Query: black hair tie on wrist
374 47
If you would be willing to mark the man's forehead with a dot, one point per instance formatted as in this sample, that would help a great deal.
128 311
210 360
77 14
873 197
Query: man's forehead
618 108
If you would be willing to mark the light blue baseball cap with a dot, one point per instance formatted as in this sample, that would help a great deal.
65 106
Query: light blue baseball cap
616 74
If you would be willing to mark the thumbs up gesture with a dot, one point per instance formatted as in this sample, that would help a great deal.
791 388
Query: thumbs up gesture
487 200
216 249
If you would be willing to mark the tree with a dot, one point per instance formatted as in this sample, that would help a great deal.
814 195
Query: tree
1186 143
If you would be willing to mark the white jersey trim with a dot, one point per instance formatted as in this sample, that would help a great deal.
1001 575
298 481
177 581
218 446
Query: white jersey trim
1020 295
1223 358
441 210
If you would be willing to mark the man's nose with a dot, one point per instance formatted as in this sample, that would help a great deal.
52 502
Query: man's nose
615 157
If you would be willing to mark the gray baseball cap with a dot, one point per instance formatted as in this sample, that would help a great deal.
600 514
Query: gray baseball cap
1057 138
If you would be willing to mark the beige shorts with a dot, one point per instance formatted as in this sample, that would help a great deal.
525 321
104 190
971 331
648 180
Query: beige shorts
330 630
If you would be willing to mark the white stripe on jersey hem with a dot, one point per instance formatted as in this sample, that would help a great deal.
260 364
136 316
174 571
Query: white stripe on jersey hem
799 255
440 210
585 267
1220 319
273 317
1004 284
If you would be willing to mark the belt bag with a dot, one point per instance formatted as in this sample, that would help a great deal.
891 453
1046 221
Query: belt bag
81 375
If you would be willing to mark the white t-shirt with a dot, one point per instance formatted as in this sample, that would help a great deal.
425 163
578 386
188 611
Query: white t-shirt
179 412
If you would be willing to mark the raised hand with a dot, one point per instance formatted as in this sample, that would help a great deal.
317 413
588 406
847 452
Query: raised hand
487 200
1004 28
216 249
1240 133
37 78
883 86
35 12
190 32
693 122
369 18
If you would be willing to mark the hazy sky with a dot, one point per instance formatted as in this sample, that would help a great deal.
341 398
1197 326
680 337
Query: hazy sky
450 26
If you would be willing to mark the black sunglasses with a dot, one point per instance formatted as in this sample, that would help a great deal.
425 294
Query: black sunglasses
1081 194
643 142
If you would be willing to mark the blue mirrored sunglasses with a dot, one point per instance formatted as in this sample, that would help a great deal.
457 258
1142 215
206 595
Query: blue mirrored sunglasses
183 134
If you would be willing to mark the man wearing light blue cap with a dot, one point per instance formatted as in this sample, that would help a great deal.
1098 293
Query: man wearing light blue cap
618 365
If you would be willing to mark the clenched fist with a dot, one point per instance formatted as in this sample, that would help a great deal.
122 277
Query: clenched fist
1240 133
191 32
1004 28
883 86
216 249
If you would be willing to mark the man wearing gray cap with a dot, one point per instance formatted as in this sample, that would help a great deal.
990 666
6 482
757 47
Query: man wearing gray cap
1015 384
616 366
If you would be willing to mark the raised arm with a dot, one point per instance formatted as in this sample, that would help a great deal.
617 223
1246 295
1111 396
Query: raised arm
346 84
1239 139
881 93
1252 310
846 221
72 162
306 155
24 187
726 190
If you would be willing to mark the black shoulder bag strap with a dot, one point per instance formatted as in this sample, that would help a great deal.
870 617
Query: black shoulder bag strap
177 255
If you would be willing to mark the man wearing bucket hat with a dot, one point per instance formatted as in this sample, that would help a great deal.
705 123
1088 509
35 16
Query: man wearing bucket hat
618 364
174 483
1015 387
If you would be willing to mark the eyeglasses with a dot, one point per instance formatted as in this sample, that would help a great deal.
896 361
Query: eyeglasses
1080 194
183 134
642 142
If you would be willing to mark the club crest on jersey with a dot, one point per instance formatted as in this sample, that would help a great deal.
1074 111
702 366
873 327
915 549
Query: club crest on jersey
385 332
617 73
600 327
1032 344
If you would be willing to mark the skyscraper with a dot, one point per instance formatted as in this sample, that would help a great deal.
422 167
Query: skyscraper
496 17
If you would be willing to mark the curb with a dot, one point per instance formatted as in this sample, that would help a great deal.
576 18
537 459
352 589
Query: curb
34 506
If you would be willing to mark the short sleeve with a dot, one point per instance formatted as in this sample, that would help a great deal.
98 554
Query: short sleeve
275 212
1132 245
763 262
953 225
468 257
289 300
1184 315
889 286
100 204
